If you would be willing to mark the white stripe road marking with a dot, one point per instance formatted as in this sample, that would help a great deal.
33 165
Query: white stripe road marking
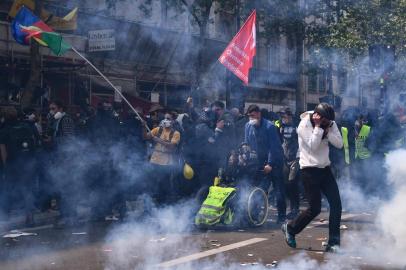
211 252
38 228
343 218
31 229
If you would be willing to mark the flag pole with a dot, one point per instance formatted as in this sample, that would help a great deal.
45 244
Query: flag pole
113 86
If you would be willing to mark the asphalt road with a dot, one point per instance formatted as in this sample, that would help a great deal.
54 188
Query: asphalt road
113 245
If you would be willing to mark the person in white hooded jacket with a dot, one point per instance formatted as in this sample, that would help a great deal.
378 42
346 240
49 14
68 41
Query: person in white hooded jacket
316 131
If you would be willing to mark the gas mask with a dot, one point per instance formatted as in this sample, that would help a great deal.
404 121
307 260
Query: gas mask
166 123
31 117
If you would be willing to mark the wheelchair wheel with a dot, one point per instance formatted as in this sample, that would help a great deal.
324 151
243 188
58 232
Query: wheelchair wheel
257 207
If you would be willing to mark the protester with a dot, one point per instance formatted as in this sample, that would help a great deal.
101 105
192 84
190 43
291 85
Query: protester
102 179
316 130
63 131
224 131
63 128
262 136
290 147
385 137
164 159
240 121
18 143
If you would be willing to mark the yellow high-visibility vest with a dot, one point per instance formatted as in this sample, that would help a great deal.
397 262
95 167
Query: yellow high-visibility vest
361 151
344 133
214 210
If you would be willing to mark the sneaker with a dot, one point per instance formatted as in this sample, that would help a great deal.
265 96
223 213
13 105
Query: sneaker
332 248
289 238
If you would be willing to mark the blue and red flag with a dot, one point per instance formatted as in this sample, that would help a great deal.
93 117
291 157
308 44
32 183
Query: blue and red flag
27 26
24 19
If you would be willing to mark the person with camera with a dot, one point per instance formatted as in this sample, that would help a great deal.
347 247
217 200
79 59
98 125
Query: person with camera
316 131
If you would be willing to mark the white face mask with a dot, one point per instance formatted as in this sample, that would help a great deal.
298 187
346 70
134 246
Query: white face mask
253 122
31 117
166 123
59 115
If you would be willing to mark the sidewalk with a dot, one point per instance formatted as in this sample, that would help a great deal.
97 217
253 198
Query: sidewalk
17 220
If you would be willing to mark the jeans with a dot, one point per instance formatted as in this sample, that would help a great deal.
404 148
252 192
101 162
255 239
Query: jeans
316 181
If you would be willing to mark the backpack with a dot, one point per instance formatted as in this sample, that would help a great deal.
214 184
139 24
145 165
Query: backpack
22 139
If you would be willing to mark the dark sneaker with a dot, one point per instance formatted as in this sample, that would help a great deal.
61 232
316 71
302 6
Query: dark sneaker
289 238
332 248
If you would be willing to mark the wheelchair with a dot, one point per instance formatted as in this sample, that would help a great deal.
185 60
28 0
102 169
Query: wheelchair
249 204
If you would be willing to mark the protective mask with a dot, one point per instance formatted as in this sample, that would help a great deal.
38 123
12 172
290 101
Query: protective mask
52 113
2 120
31 117
166 123
58 115
253 122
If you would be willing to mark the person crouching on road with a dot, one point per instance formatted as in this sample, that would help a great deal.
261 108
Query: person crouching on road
163 158
316 130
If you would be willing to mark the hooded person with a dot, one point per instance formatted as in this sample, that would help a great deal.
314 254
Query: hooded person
317 129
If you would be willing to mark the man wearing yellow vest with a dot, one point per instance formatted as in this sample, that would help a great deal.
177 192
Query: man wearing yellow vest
362 132
362 154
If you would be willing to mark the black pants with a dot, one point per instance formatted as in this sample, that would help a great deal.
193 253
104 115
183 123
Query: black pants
291 177
161 183
315 181
18 185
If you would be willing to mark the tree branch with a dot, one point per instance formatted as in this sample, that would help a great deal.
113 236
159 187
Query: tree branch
190 9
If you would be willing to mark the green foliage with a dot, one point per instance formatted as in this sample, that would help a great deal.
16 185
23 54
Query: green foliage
359 24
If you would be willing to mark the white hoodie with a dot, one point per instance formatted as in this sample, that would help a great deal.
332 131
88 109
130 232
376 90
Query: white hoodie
314 151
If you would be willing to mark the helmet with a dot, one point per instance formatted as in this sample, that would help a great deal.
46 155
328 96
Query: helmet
188 172
326 111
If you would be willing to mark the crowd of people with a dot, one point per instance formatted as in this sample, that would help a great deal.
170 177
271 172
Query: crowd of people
50 162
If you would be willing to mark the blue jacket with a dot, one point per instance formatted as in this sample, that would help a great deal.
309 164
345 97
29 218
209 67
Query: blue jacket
266 142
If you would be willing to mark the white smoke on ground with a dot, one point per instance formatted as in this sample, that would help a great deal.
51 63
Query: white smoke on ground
355 200
392 215
167 235
383 243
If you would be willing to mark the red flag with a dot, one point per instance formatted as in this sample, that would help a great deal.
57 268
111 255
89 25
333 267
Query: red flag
239 54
